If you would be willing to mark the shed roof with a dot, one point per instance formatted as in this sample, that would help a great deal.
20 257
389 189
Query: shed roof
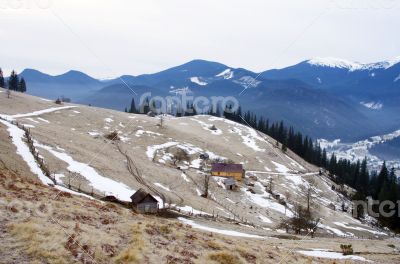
140 195
227 167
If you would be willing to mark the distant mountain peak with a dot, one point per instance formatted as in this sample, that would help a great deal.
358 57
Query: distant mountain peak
334 63
350 65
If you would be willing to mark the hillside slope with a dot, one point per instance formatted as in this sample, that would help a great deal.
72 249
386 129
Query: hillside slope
71 140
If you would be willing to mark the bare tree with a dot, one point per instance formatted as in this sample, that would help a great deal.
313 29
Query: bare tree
207 176
69 180
303 220
180 155
308 192
206 185
8 93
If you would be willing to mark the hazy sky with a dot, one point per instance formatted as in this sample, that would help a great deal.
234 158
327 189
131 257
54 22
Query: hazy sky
110 38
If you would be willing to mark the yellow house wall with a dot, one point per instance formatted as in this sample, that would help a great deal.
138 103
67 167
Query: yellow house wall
237 175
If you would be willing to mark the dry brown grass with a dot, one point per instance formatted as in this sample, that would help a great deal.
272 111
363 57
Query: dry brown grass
247 255
213 245
41 242
225 257
133 252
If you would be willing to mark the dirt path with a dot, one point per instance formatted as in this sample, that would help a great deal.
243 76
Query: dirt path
134 171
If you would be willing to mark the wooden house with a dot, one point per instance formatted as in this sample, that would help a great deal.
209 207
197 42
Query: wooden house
143 202
228 170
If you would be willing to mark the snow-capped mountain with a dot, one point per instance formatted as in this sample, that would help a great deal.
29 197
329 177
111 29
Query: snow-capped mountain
350 65
374 86
342 75
324 97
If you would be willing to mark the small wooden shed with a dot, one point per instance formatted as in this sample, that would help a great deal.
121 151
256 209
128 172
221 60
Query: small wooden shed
230 183
144 202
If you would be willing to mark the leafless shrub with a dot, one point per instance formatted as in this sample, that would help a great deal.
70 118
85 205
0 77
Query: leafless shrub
180 155
112 136
346 249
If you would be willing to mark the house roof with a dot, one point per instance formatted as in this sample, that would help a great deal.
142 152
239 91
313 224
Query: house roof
230 181
227 167
139 196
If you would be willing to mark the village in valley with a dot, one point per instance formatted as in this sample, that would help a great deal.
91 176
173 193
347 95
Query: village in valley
219 189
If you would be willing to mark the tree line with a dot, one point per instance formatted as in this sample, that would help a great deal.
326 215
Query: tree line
382 186
14 83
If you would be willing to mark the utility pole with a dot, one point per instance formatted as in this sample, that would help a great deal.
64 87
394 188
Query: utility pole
270 184
161 120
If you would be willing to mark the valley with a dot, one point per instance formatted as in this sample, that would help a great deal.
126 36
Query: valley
377 149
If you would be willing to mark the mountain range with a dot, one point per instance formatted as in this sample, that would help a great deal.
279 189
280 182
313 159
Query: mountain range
323 97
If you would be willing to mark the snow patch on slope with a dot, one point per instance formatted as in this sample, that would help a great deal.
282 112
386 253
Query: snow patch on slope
99 182
162 186
263 200
226 74
17 135
280 168
323 253
216 230
208 127
372 105
345 225
41 112
197 80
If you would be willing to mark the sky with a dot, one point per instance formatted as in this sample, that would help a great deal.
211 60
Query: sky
109 38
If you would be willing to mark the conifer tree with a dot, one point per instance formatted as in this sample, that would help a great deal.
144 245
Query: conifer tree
362 181
2 84
22 85
13 81
145 106
383 177
133 109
